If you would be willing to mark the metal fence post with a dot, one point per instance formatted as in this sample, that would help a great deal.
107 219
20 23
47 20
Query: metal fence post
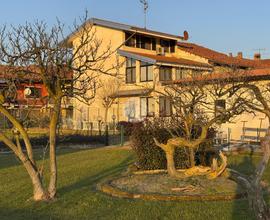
122 135
107 135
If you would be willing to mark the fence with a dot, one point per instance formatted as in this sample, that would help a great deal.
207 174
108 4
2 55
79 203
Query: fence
39 137
250 137
252 134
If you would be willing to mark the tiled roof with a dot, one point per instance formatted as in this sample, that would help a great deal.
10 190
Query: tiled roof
237 76
24 73
163 59
221 58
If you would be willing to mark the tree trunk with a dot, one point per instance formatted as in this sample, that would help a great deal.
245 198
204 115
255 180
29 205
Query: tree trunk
39 193
53 162
255 194
169 152
170 161
22 131
191 157
252 184
257 203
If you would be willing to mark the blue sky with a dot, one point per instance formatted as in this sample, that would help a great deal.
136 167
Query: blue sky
224 25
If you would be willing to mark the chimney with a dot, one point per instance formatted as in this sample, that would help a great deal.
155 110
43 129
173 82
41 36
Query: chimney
230 54
257 56
240 55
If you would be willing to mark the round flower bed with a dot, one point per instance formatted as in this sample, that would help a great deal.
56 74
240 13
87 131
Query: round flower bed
162 187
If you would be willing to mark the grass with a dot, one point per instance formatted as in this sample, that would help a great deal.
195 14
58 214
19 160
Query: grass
80 171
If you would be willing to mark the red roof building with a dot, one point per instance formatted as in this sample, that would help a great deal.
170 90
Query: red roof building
217 58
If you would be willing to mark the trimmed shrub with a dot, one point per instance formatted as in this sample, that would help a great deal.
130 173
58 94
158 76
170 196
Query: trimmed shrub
150 156
128 126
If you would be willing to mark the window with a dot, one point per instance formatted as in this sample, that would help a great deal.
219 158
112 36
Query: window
196 73
130 70
32 92
147 107
140 41
220 106
146 72
130 109
165 73
154 44
165 106
181 73
172 46
144 42
168 45
130 40
165 44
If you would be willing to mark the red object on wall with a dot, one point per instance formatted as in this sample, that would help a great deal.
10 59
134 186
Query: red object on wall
22 99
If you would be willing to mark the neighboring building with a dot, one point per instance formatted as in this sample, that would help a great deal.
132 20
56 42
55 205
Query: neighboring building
220 60
248 125
28 96
151 58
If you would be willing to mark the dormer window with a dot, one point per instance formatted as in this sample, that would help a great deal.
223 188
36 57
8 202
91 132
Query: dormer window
143 42
130 40
140 41
168 45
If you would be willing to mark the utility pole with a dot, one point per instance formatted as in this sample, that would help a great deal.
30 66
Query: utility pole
145 7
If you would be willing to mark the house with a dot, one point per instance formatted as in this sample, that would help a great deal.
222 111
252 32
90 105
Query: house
151 59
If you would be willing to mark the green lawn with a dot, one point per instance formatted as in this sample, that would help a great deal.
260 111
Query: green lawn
79 172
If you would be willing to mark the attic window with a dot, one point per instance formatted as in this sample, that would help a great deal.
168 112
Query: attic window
130 40
140 41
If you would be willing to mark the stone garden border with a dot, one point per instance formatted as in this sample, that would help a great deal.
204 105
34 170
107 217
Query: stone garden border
107 188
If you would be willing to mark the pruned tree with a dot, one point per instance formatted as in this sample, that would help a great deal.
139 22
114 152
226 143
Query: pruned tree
108 94
256 96
67 66
196 104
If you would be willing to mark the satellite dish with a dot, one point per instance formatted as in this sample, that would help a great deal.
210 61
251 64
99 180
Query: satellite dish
27 92
186 35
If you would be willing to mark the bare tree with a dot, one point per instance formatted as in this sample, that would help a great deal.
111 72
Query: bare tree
107 94
196 102
66 69
257 99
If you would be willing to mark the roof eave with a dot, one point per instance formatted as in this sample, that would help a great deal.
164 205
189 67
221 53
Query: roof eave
184 65
136 56
124 27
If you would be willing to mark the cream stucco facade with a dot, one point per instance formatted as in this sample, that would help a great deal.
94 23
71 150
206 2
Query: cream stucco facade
129 104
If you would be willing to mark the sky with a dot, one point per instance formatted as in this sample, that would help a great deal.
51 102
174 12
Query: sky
222 25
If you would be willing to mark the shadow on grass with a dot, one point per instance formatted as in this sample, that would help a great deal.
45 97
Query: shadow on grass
9 159
92 180
247 167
